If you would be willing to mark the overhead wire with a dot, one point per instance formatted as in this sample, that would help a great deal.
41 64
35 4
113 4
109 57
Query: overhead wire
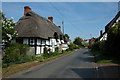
61 14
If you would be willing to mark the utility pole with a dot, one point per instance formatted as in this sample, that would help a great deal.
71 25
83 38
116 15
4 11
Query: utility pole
63 26
118 6
90 36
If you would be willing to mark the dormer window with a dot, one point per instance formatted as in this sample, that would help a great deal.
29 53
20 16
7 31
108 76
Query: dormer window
28 14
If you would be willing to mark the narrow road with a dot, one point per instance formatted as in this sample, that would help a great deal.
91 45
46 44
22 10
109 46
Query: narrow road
78 64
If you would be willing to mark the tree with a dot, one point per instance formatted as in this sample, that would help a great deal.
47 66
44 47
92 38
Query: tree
0 26
8 30
66 35
78 41
113 40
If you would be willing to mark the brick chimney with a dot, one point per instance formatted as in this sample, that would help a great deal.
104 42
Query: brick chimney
59 27
26 9
50 18
101 32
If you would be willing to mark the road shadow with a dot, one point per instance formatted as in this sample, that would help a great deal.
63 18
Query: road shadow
85 72
86 58
110 72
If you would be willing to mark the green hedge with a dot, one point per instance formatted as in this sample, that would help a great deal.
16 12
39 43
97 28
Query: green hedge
73 46
16 53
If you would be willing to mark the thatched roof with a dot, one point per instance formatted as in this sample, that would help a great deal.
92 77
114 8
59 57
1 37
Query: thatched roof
33 25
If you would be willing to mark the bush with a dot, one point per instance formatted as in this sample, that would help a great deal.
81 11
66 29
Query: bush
28 58
57 49
95 46
73 46
16 53
47 55
12 55
45 50
113 41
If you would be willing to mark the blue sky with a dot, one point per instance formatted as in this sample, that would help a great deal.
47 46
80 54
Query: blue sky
80 18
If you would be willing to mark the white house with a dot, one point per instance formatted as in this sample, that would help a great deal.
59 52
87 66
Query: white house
38 32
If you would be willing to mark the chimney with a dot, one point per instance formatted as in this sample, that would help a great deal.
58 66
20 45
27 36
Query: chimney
101 33
50 18
26 9
59 27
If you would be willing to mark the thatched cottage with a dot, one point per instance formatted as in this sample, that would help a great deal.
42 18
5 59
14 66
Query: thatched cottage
38 32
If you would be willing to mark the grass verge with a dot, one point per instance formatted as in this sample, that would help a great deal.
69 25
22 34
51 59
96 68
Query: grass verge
16 68
100 57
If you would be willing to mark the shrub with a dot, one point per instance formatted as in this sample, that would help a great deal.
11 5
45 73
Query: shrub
27 58
12 55
45 50
24 48
73 46
96 46
57 49
113 41
16 53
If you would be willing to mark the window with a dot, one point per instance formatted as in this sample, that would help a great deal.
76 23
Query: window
28 14
32 41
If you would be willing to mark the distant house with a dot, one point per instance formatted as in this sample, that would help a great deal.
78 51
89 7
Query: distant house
115 20
91 42
38 32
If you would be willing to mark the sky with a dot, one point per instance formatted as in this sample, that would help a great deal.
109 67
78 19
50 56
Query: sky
81 19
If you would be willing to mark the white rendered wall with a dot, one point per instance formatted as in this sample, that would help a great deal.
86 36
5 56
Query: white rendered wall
47 42
38 50
104 37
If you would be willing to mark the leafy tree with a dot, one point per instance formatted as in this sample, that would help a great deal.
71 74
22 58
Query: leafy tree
8 30
78 41
113 40
0 26
66 35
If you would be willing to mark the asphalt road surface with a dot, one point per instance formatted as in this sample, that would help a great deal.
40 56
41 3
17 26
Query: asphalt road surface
79 64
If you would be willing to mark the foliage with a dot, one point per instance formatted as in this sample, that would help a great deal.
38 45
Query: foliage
113 41
108 51
73 46
45 50
85 43
66 35
8 30
78 41
16 53
57 49
96 46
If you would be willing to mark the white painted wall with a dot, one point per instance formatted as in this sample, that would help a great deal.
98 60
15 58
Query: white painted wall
118 19
59 42
38 50
62 41
42 49
47 42
51 42
104 37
